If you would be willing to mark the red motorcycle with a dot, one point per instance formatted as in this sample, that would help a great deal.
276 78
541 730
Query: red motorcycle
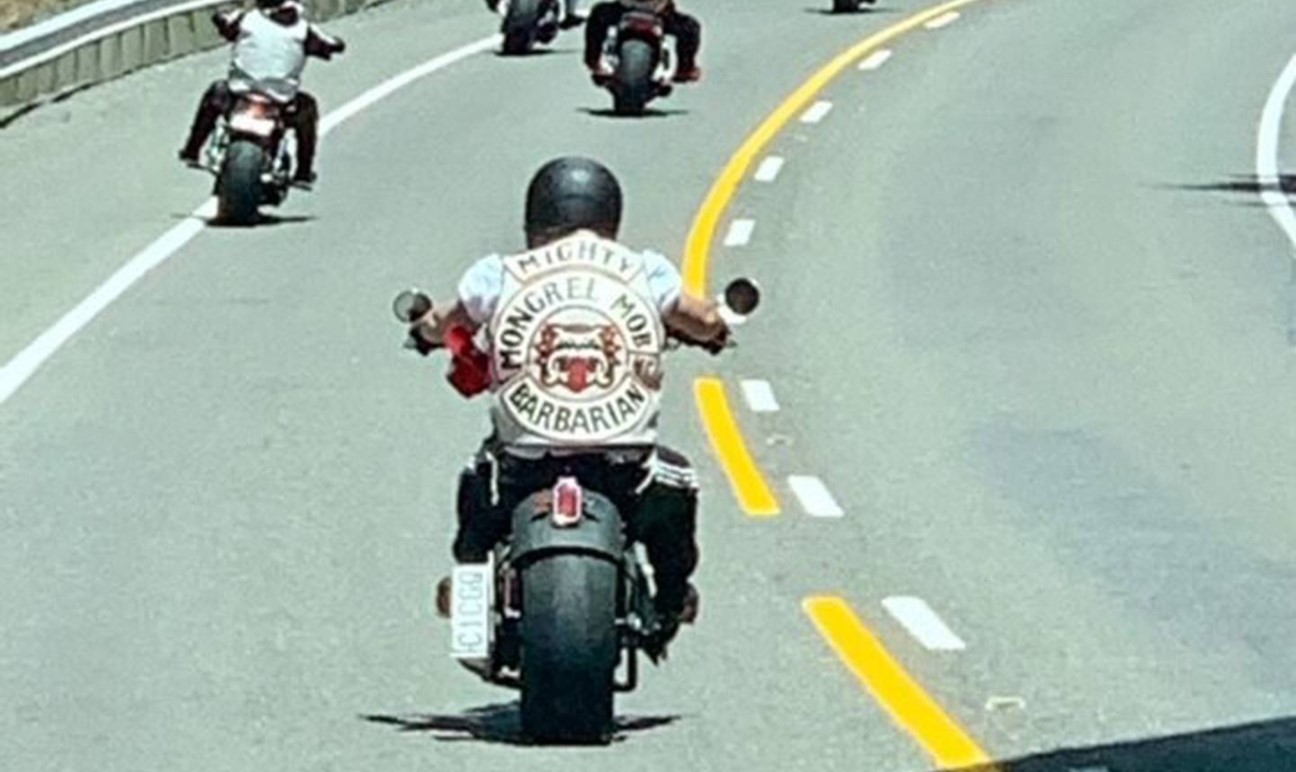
641 59
251 158
563 606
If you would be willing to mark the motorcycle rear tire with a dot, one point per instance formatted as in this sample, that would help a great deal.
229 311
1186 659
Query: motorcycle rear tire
238 191
569 649
634 77
520 27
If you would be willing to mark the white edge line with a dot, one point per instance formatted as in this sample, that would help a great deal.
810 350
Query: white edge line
397 82
923 623
876 59
24 364
944 20
814 496
1267 142
760 396
769 169
740 233
817 111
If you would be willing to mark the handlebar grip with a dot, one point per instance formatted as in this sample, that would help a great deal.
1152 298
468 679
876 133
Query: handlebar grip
416 342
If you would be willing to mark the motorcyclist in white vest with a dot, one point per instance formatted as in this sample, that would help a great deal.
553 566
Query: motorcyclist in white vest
574 330
685 28
271 45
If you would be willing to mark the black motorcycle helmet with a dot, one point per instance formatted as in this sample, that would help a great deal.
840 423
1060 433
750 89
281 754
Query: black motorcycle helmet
569 194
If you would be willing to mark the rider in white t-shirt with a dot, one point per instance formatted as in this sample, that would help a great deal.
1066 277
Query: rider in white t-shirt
271 45
574 330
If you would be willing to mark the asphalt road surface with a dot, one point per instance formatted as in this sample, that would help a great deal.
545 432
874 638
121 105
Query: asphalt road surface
1026 332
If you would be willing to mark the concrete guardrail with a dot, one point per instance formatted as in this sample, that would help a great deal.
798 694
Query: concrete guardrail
110 38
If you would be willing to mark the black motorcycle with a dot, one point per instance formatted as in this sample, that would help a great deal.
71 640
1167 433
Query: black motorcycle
641 59
563 607
251 158
527 23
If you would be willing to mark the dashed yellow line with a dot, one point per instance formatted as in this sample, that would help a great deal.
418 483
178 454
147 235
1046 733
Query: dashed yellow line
749 486
911 707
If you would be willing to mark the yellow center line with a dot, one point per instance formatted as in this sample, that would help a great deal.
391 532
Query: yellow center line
753 492
947 743
749 486
698 251
911 707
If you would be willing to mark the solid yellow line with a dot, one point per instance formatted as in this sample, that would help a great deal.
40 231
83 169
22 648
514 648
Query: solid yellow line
895 689
749 486
698 251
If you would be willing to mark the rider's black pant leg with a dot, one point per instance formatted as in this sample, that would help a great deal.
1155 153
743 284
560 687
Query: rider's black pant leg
688 37
483 523
215 103
666 524
304 119
602 17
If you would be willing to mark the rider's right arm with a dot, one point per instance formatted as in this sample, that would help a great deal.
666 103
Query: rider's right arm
321 44
691 317
696 319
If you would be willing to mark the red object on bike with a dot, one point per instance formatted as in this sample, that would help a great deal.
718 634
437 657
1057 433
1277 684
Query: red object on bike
469 366
568 502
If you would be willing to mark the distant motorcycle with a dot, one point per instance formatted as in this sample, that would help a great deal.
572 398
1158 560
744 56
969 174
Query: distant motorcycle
563 606
251 156
641 59
849 6
527 23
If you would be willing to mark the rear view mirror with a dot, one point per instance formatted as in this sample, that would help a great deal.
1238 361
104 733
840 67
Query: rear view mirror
742 296
411 305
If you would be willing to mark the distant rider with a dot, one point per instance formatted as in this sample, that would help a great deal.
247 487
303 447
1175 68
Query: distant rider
568 15
271 45
573 329
686 29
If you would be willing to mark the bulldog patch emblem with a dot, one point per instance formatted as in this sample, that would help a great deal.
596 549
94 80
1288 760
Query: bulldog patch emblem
577 353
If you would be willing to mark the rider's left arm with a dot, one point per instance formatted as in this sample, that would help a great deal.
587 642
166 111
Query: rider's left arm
478 292
441 319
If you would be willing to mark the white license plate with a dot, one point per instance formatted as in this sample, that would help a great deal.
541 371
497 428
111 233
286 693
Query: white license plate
471 601
251 124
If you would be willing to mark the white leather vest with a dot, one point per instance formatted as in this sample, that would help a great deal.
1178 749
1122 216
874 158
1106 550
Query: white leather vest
576 343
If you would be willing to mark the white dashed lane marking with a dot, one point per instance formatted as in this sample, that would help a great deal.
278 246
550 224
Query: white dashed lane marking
817 111
740 232
769 169
923 623
760 396
944 20
875 59
814 496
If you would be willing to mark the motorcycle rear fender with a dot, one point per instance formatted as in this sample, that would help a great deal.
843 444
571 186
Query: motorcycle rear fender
641 26
600 532
256 117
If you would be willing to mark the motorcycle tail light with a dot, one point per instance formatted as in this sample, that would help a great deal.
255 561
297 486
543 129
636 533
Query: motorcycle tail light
643 24
568 502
